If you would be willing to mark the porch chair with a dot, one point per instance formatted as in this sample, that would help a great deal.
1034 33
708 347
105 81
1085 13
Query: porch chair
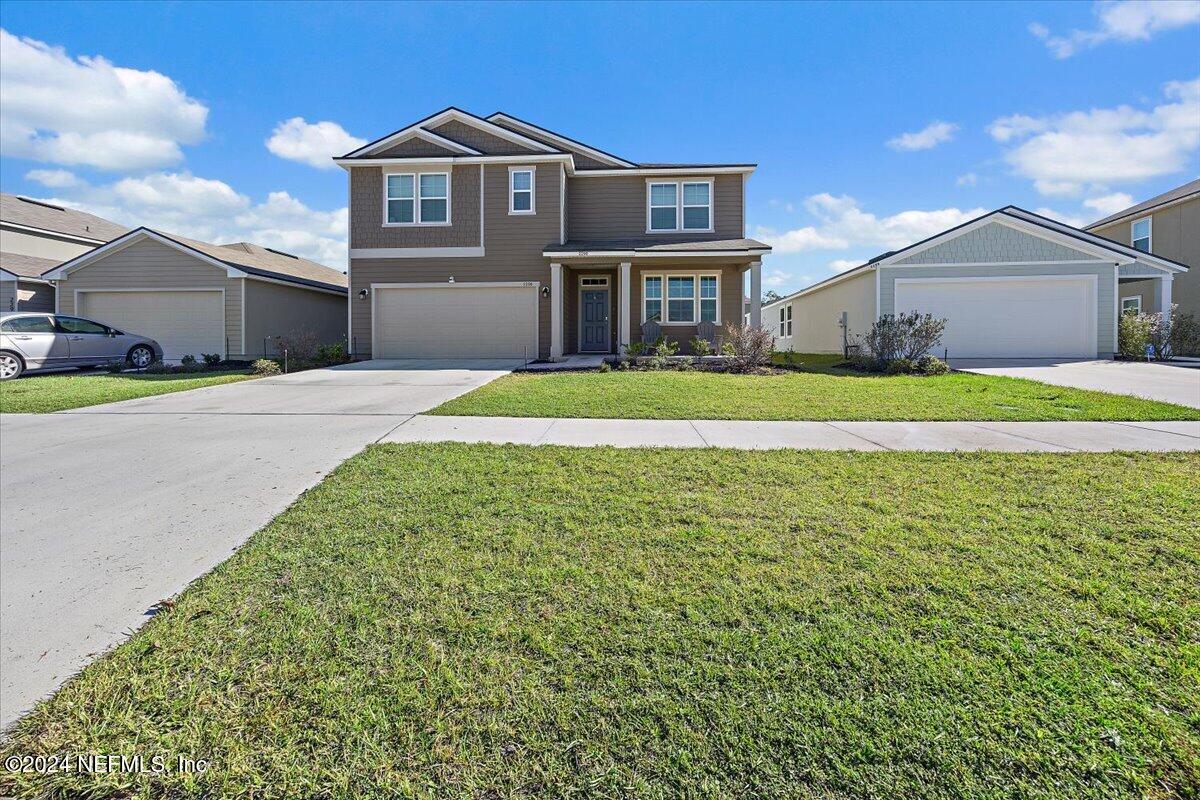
708 332
651 330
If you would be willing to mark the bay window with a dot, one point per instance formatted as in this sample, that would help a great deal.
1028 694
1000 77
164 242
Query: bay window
673 206
688 299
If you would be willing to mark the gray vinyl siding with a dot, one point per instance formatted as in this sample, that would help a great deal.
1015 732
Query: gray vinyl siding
273 309
1104 272
993 243
151 265
513 247
416 146
615 208
34 296
8 295
482 141
368 231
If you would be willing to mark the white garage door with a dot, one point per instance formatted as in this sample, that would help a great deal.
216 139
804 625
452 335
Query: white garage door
184 323
1034 317
463 321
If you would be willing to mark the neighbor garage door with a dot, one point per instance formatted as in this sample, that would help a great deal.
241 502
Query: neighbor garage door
1028 317
446 321
184 323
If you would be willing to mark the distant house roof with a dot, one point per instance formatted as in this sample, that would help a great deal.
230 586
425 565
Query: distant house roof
46 216
1178 193
245 256
26 266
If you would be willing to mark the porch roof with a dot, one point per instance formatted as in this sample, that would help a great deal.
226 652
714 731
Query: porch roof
655 247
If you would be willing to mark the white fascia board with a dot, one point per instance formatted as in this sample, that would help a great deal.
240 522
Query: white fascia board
568 144
653 253
121 242
539 158
453 114
47 232
1126 254
664 171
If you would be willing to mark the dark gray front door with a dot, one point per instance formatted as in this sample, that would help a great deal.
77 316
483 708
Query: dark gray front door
594 334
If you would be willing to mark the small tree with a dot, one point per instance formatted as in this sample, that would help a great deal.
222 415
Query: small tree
301 345
1133 335
749 348
907 335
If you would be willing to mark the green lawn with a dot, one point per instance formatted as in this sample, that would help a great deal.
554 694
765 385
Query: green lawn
39 394
497 621
821 392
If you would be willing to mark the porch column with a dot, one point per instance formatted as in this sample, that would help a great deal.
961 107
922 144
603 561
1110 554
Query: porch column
756 294
623 310
556 312
1164 293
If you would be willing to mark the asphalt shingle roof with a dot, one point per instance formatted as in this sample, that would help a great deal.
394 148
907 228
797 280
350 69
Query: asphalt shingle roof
26 266
47 216
1191 187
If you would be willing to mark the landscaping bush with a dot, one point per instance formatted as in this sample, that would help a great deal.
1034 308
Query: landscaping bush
664 349
1133 335
189 364
932 365
635 350
114 367
900 366
749 348
1167 335
908 335
211 360
265 366
605 366
328 355
1185 334
700 347
300 346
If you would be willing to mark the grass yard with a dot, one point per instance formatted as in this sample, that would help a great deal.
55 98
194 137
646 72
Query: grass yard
492 621
821 392
39 394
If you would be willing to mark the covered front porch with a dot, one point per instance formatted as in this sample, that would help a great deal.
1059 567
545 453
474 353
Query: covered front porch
601 300
1143 289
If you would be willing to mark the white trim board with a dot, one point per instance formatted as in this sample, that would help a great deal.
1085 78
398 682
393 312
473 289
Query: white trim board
442 117
567 144
416 252
49 233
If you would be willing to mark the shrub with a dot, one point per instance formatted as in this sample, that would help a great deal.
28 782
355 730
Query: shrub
159 368
605 366
1133 335
1185 334
932 365
664 348
299 345
329 354
750 348
211 360
727 349
700 347
265 366
901 366
188 364
635 350
908 335
115 366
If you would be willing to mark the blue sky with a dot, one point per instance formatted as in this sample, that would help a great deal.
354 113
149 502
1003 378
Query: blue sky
873 124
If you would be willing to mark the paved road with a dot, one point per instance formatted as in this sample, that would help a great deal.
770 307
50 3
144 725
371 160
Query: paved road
106 510
1170 383
1060 437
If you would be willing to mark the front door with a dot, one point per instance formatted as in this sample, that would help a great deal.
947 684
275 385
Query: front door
594 335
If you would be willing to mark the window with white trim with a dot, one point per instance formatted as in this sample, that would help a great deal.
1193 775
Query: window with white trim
417 198
1140 235
1131 305
681 299
785 320
520 191
679 206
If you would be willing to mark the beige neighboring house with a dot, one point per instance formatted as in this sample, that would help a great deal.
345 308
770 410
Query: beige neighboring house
36 236
194 297
1010 283
1167 225
494 237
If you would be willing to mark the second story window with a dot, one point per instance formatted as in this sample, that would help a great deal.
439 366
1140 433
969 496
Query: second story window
1140 235
417 198
520 190
679 206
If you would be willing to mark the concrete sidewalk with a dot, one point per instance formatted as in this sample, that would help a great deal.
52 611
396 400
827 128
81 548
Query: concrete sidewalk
936 436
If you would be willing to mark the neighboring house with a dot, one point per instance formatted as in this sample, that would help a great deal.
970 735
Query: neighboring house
195 297
1011 284
473 237
36 236
1169 226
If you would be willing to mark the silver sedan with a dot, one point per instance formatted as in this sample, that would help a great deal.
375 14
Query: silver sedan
31 340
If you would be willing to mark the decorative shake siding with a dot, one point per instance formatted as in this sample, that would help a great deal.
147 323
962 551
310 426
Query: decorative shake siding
513 247
995 243
482 141
367 228
615 208
416 147
148 264
273 309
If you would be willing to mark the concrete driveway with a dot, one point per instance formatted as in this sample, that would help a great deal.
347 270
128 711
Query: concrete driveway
106 510
1170 383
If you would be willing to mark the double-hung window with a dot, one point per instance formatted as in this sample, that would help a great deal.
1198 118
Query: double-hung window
417 198
785 320
1140 235
679 206
688 299
1131 305
520 190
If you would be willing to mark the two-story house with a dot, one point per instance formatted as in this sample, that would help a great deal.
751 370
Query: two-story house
1167 225
496 238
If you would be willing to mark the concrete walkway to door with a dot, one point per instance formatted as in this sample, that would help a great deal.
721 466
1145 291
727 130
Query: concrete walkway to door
1170 382
109 509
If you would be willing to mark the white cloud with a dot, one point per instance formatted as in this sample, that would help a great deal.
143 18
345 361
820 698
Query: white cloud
928 137
314 144
54 178
776 278
844 225
1064 153
1109 203
843 264
967 179
86 111
1121 21
212 211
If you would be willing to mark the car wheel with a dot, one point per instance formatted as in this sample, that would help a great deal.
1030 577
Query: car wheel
141 356
11 366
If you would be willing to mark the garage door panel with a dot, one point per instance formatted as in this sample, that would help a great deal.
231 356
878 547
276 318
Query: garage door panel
458 322
184 323
1050 317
